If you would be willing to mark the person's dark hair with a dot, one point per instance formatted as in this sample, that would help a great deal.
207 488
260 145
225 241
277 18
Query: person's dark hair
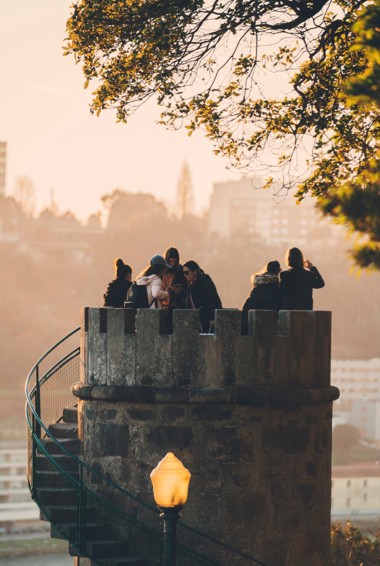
273 267
171 253
193 266
294 257
122 269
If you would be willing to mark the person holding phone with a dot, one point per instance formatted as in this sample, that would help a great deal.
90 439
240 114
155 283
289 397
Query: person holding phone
297 283
174 281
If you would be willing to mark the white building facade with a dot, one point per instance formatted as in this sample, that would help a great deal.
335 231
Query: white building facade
244 207
359 402
355 490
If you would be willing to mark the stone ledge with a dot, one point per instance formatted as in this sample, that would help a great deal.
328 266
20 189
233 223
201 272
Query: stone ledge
257 397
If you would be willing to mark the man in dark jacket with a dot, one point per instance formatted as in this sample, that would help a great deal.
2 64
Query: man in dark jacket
298 282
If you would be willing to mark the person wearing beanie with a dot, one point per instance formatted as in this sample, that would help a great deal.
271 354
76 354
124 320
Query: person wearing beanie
151 277
265 294
117 289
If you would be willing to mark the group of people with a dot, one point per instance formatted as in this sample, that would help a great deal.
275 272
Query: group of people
292 289
171 285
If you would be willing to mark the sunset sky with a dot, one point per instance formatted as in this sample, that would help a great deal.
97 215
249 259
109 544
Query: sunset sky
53 139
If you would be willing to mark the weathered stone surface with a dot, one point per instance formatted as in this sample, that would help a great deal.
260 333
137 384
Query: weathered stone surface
84 347
188 356
116 356
227 333
285 398
250 416
154 363
97 348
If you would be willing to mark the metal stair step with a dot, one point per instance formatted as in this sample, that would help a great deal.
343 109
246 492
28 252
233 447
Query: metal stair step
64 430
65 513
44 464
71 444
56 496
67 531
48 479
70 415
123 561
102 549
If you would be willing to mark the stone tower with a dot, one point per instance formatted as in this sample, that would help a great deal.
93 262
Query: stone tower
249 416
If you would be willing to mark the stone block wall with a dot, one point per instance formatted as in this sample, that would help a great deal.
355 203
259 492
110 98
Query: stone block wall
289 348
250 416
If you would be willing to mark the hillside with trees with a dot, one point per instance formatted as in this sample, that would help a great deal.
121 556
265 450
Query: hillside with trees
53 265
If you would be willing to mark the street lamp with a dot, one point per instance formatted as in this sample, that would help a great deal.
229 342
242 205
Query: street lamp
170 480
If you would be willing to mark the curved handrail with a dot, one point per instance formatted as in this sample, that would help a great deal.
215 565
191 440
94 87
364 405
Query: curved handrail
31 393
45 355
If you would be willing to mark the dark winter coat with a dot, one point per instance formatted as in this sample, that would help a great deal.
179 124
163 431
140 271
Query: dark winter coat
177 300
265 295
116 293
202 295
296 288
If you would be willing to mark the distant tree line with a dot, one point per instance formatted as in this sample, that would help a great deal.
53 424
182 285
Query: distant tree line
49 273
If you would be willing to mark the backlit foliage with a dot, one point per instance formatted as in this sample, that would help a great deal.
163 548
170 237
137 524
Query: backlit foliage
265 80
350 548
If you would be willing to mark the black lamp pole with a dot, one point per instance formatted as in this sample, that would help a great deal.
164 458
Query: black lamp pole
170 517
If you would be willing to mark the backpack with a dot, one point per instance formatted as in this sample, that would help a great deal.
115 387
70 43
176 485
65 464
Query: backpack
137 297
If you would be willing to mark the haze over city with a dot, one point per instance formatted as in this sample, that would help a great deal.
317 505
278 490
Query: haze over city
96 190
53 139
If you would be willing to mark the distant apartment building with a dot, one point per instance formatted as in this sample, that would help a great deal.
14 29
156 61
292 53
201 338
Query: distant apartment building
3 164
11 220
244 210
365 415
359 402
355 490
358 380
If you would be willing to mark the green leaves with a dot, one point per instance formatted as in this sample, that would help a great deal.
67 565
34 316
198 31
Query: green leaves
289 90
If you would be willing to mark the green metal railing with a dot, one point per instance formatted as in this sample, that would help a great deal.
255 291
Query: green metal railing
120 516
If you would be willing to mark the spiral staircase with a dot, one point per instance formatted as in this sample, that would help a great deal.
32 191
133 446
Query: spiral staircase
101 520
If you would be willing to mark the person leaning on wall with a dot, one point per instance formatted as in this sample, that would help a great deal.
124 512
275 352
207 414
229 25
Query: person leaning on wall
117 289
201 294
297 282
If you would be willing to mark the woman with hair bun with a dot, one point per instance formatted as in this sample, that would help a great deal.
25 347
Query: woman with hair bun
298 282
117 290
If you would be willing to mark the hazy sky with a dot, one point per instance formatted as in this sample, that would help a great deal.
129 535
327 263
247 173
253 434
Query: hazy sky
53 138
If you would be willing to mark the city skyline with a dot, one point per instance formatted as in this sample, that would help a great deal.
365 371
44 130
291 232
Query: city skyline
53 139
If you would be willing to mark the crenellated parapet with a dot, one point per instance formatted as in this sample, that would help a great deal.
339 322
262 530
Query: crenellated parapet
250 416
123 349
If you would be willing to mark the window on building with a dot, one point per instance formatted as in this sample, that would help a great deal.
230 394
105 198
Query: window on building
348 483
348 502
365 483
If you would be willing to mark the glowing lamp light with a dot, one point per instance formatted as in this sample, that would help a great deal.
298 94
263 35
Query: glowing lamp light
170 480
